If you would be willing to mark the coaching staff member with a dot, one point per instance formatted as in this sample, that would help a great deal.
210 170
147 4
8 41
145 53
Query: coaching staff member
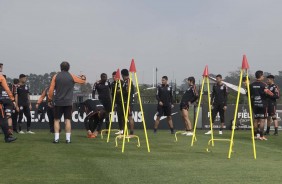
63 83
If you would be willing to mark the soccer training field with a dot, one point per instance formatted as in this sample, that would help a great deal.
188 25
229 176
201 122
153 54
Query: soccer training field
34 159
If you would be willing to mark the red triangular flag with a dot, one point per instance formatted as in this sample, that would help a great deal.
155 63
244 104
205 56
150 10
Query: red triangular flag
206 72
117 77
132 68
245 64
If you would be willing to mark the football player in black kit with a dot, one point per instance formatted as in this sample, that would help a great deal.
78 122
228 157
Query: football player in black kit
165 104
23 104
126 95
7 137
118 103
8 106
219 101
103 87
189 97
259 92
271 104
95 115
40 105
15 113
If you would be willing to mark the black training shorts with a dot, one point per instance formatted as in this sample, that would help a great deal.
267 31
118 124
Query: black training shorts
260 112
63 110
271 109
163 111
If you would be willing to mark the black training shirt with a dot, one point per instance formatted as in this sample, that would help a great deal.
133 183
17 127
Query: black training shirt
23 92
164 95
219 94
190 95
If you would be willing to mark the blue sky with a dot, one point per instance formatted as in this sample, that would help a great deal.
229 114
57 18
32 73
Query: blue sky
178 37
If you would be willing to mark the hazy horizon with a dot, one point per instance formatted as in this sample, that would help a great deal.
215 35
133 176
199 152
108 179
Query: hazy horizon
178 37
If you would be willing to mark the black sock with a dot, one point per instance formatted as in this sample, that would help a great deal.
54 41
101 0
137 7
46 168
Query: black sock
155 130
256 132
171 129
220 129
276 129
131 132
5 130
267 130
261 133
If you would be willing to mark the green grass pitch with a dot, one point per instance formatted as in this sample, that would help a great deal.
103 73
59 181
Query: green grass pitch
34 159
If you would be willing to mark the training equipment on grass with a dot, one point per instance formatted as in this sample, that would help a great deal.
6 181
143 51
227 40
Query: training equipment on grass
211 141
179 132
205 79
132 70
117 84
105 131
244 70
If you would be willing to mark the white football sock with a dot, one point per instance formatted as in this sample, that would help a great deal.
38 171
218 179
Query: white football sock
68 136
57 136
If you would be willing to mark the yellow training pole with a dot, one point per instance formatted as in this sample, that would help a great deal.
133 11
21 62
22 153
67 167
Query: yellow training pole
251 116
141 108
245 68
111 114
209 101
235 115
198 111
126 114
123 108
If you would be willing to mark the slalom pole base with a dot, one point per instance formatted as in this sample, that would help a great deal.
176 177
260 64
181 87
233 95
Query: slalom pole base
128 137
181 132
212 140
105 131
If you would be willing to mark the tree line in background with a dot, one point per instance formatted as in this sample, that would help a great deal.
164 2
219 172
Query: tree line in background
38 83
